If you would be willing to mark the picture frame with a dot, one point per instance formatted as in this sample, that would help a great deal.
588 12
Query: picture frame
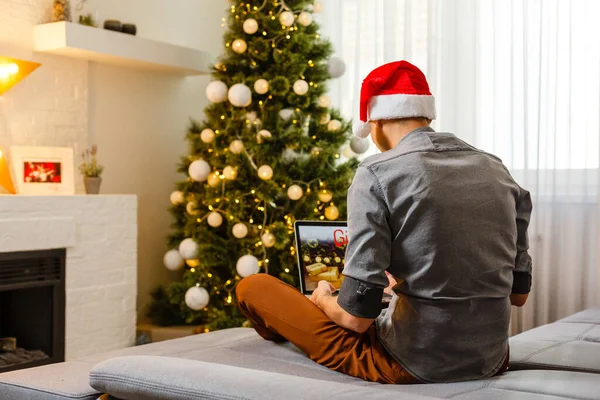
43 170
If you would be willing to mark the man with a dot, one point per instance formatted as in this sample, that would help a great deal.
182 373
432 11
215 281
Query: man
441 225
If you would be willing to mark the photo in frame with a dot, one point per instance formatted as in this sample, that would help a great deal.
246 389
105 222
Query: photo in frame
43 170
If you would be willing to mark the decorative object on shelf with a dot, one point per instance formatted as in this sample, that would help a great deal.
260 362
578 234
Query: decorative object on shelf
240 95
113 25
43 170
91 171
6 181
250 26
239 230
61 10
216 91
13 71
129 29
305 18
188 249
87 20
173 260
359 146
336 67
177 198
265 172
300 87
261 86
197 298
199 170
247 265
295 192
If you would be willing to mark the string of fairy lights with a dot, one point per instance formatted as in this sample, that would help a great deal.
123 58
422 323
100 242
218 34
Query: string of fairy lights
222 209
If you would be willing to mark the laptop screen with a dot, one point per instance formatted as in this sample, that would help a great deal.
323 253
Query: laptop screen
321 248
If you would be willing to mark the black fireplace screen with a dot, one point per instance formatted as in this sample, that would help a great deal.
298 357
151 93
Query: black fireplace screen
32 308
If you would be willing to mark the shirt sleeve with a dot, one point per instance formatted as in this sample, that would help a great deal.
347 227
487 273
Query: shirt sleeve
369 247
522 271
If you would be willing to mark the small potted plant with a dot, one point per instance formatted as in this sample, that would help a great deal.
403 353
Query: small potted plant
91 171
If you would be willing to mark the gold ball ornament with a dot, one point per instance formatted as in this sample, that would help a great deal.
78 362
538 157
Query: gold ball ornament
239 230
325 119
332 213
215 219
306 259
239 46
192 208
207 135
230 173
250 26
325 196
295 192
287 18
318 259
300 87
265 172
192 263
305 18
214 179
263 135
236 147
337 260
334 125
261 86
177 197
324 101
268 239
327 260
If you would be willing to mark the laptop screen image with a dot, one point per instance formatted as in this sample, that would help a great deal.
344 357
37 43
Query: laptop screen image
321 248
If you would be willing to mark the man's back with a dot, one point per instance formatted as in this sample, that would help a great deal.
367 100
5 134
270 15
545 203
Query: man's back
453 213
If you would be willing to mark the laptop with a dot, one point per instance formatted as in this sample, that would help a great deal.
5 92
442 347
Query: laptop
321 250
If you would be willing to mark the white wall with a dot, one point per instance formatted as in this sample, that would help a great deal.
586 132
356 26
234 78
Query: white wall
138 119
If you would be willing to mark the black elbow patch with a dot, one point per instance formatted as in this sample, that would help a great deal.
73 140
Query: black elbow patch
521 282
360 299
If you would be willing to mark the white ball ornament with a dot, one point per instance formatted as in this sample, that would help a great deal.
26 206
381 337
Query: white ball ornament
286 114
332 213
240 230
239 46
295 192
215 219
236 147
173 260
250 26
230 173
261 86
197 298
325 196
188 249
334 125
177 197
199 170
305 18
325 119
324 101
216 91
263 135
300 87
287 18
336 67
318 7
207 135
359 146
240 95
265 172
268 239
214 179
247 265
347 152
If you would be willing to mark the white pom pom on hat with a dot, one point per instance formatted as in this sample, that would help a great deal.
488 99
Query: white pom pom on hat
393 91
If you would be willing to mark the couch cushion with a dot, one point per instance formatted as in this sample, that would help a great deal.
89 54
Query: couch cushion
571 344
162 378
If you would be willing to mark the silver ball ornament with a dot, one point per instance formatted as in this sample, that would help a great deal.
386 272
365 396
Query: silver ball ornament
173 260
359 146
336 67
207 135
188 249
247 265
197 298
199 170
240 95
216 91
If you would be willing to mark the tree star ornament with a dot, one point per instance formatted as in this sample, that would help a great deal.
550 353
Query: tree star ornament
268 239
247 265
173 260
240 95
215 219
261 86
295 192
230 173
207 135
250 26
332 213
236 147
300 87
239 46
188 249
305 18
265 172
177 198
199 170
359 146
287 18
239 230
197 298
216 91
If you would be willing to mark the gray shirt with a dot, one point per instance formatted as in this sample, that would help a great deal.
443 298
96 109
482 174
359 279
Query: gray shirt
450 224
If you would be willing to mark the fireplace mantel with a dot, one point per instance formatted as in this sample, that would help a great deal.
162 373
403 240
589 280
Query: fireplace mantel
100 235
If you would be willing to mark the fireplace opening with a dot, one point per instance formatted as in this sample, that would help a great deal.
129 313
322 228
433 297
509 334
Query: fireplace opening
32 309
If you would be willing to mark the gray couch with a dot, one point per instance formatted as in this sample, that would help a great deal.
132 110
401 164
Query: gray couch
556 361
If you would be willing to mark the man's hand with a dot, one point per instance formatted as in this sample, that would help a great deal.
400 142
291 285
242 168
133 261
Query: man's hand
324 288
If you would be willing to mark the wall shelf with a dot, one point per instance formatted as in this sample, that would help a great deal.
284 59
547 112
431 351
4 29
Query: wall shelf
115 48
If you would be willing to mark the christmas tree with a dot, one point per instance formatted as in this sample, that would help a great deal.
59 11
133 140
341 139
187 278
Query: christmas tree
271 151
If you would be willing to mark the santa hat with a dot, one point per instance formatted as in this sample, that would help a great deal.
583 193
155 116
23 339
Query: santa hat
393 91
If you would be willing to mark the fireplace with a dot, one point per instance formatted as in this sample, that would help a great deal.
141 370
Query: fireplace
32 308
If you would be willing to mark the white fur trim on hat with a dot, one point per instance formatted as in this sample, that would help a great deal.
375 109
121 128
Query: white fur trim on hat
396 106
361 129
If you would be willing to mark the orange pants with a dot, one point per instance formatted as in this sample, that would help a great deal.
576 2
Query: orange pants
280 312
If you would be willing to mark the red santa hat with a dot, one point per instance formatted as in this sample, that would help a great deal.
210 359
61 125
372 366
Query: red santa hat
393 91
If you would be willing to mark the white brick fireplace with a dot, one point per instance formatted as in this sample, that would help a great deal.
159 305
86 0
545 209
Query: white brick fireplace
100 235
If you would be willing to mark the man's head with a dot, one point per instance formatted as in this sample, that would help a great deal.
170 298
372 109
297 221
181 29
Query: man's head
392 96
386 133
